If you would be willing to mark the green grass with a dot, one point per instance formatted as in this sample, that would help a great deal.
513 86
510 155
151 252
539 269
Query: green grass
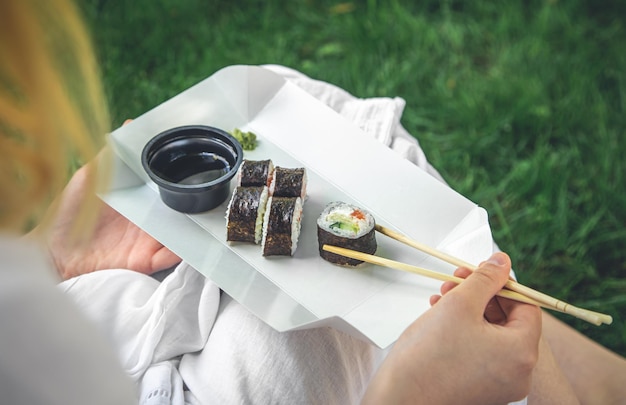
520 105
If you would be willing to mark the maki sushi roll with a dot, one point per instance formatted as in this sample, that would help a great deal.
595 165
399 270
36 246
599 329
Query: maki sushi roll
244 216
287 182
281 226
345 225
255 173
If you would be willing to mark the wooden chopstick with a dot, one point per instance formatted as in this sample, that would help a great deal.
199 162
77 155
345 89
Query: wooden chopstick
381 261
544 299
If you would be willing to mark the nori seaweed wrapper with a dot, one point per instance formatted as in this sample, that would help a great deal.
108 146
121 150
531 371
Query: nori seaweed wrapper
288 182
255 172
278 226
242 214
365 243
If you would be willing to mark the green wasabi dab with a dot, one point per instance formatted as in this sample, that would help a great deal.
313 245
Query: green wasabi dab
246 139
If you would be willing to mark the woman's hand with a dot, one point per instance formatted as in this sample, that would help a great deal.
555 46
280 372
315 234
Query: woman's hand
470 347
114 243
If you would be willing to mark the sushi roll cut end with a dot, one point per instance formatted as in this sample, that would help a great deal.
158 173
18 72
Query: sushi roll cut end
348 226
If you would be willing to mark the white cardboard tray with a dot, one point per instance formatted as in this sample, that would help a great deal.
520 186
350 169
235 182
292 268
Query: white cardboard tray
343 163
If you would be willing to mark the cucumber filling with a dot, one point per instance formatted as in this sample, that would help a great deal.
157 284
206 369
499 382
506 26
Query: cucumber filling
343 222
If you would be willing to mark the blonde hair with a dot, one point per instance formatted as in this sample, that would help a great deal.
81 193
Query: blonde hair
52 108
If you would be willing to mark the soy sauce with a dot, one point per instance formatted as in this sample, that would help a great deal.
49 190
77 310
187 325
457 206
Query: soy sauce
198 168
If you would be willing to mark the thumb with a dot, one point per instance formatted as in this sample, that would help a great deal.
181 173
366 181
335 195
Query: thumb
485 282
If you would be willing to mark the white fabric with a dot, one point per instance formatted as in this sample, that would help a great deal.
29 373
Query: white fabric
162 332
246 362
149 322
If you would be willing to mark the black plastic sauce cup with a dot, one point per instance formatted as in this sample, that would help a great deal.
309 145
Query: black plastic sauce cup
193 166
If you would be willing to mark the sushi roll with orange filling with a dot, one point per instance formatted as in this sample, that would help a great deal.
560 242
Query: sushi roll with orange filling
345 225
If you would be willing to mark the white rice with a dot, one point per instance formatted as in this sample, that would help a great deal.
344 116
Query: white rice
296 223
258 226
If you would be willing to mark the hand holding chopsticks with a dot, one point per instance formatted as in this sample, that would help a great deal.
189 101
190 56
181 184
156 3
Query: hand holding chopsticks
513 290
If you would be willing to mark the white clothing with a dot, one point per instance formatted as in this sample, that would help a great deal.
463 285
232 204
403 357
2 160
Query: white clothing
49 353
184 330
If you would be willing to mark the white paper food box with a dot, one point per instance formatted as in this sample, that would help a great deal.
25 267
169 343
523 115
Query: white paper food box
343 164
